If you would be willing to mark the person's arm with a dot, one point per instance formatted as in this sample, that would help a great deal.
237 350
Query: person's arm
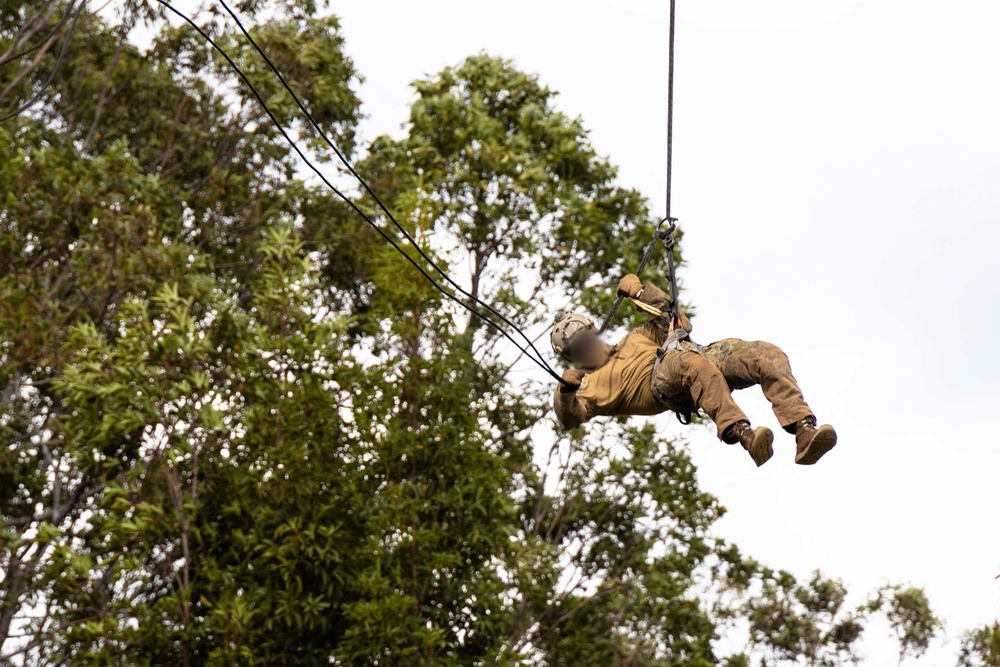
569 411
650 294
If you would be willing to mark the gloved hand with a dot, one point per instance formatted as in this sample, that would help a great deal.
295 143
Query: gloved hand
573 378
630 286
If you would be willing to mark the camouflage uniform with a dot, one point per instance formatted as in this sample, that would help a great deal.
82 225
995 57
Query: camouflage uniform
633 381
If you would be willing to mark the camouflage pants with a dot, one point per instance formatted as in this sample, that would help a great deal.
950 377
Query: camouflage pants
687 379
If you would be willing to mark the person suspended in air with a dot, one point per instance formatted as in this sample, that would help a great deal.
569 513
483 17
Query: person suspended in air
657 368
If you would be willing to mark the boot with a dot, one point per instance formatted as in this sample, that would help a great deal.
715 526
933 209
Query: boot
756 441
812 443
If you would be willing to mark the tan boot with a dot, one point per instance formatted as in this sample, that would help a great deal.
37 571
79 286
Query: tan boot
812 443
758 442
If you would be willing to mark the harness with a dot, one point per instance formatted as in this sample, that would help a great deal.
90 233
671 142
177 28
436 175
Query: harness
675 335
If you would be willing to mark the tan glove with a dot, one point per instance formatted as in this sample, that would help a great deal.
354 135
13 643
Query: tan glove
573 378
630 286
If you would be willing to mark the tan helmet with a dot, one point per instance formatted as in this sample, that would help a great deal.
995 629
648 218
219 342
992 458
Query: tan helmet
566 326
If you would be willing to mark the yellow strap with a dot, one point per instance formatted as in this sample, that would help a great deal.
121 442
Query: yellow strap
652 310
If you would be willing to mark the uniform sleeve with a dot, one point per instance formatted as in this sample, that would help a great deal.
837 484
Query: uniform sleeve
656 328
569 410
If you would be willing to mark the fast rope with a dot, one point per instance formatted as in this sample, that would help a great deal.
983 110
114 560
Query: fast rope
670 163
539 360
666 235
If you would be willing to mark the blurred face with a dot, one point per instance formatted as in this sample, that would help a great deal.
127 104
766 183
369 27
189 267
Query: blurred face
588 350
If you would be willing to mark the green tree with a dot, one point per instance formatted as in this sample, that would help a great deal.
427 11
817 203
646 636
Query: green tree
492 176
981 647
909 614
238 429
789 620
513 189
133 174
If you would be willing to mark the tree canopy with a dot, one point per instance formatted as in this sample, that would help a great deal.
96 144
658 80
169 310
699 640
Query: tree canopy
238 429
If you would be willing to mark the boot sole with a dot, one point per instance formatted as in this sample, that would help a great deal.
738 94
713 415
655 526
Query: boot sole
824 440
763 441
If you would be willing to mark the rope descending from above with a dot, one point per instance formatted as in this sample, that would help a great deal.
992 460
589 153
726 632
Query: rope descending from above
670 160
666 235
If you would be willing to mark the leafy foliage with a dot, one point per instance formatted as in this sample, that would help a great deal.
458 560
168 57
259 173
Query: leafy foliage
512 186
981 647
910 617
237 429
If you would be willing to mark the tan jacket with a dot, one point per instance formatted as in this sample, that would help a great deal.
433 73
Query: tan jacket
622 386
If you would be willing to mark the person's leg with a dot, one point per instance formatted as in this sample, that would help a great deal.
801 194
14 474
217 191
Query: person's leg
685 378
697 380
746 363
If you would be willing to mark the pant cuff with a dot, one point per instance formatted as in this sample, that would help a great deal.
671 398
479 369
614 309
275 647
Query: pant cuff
788 423
722 426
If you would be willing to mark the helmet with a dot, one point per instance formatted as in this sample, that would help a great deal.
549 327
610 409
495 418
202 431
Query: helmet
566 326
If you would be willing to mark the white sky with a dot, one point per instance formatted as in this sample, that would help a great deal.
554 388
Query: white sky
836 172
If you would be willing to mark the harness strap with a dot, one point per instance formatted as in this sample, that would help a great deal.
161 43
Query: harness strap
684 417
675 334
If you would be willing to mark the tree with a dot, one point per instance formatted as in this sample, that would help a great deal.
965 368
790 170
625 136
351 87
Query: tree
981 647
134 174
513 188
789 622
909 614
493 177
238 429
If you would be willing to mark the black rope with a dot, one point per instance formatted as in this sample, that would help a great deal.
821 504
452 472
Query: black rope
374 196
344 197
670 162
52 75
666 235
670 107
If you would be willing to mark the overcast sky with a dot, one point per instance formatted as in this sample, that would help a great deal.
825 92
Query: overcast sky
836 174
